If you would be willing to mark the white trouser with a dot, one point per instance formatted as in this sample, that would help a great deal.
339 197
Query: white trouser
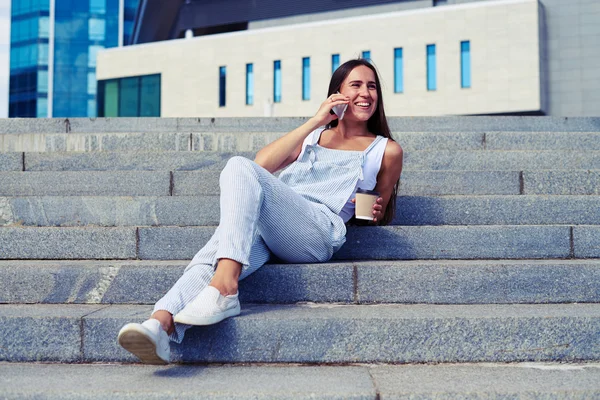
259 214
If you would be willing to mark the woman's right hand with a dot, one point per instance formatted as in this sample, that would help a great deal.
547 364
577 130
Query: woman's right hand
324 115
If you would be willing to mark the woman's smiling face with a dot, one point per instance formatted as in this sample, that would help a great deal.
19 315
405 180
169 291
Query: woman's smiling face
361 87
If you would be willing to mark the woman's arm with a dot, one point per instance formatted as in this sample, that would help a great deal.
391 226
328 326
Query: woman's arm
389 173
282 152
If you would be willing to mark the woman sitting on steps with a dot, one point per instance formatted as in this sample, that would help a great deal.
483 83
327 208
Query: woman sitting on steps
300 217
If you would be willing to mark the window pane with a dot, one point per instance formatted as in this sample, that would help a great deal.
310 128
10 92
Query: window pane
93 55
465 64
335 62
43 27
398 71
42 81
129 101
249 84
43 54
277 81
97 29
42 108
91 83
366 55
150 96
222 83
97 6
91 108
431 68
306 78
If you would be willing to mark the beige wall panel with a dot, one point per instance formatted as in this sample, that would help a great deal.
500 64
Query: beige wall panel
504 62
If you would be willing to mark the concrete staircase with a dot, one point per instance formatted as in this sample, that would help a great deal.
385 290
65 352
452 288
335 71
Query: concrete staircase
493 258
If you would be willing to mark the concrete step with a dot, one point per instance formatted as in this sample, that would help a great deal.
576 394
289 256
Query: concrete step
11 162
474 160
317 333
363 282
363 243
250 134
204 210
290 381
206 182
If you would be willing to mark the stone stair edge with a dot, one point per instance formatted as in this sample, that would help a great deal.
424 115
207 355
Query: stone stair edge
337 333
260 381
359 282
443 123
391 242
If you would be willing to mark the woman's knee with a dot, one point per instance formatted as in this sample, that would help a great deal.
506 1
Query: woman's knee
238 166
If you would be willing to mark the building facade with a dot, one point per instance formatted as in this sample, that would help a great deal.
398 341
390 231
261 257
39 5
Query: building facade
54 44
454 57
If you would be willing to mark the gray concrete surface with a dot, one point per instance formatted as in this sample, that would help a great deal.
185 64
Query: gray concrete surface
580 182
85 183
587 241
289 381
11 161
337 333
465 160
204 210
404 124
434 282
67 243
185 382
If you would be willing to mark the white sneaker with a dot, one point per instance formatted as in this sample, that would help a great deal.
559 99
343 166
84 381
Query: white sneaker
148 341
208 308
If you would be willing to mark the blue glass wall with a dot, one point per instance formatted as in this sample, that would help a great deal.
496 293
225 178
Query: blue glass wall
28 88
81 29
129 19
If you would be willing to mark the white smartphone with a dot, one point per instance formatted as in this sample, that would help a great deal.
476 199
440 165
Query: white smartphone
340 110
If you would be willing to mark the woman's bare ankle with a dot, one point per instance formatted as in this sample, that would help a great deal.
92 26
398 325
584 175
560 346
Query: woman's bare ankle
166 320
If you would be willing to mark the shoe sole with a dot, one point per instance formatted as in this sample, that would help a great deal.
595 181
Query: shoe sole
140 345
203 321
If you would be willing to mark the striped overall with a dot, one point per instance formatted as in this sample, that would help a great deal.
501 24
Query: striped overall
295 217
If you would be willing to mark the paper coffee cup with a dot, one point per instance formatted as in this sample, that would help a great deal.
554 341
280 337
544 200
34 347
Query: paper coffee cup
365 199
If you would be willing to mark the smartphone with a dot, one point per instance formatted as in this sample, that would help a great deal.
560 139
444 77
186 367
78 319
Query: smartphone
339 110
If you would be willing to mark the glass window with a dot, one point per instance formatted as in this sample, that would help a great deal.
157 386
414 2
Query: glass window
97 29
109 98
465 64
431 68
98 6
42 54
150 96
91 83
335 62
129 97
42 108
398 71
222 85
42 81
43 27
306 78
93 55
249 84
277 81
366 55
91 108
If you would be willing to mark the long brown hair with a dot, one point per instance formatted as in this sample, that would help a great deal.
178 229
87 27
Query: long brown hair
377 124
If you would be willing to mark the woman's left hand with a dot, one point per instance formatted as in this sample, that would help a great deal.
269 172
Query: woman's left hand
377 209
